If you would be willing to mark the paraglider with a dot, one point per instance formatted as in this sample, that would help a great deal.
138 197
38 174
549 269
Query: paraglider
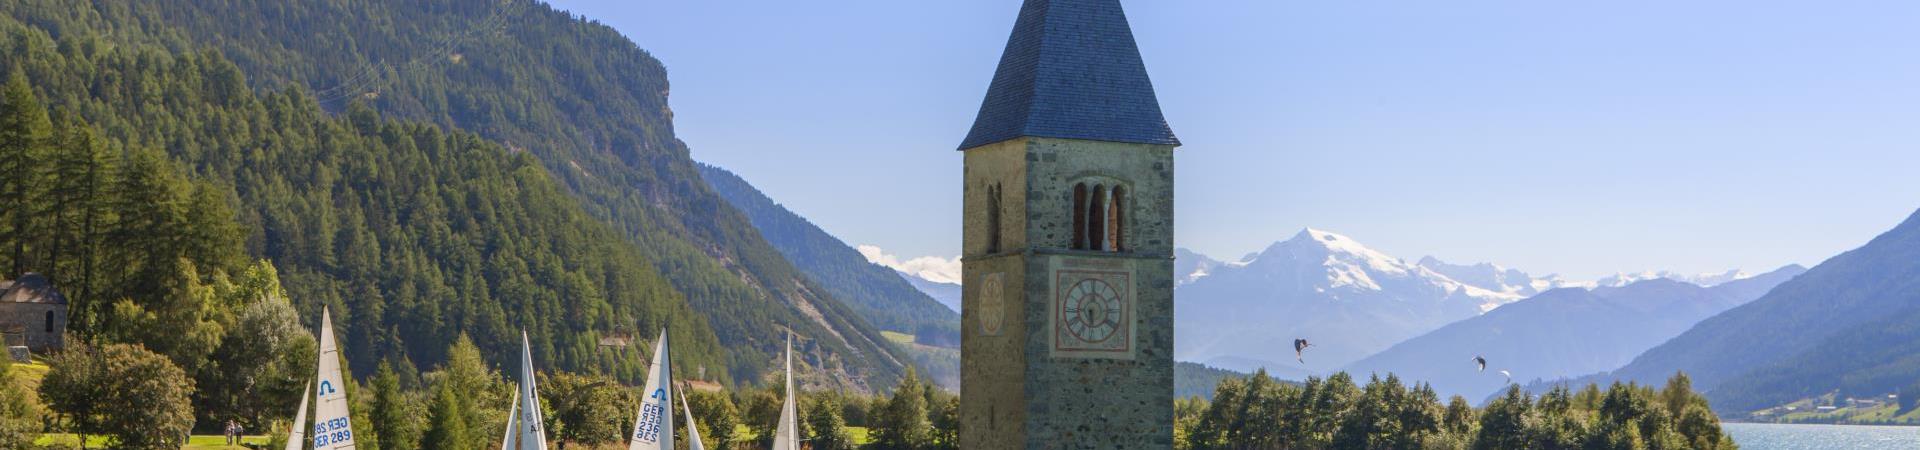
1477 359
1509 376
1299 348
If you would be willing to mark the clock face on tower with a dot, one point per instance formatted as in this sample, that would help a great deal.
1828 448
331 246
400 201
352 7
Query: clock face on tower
993 303
1091 310
1092 313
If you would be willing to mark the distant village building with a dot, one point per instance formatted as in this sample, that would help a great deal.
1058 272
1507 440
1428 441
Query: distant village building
704 386
33 313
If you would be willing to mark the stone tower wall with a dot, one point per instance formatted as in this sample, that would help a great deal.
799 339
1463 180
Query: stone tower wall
1022 387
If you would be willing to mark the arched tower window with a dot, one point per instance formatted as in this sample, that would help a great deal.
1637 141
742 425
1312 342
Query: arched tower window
1097 218
1080 216
993 218
1116 219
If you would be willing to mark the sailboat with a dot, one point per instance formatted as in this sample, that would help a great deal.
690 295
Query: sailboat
524 423
787 435
506 442
653 425
297 437
693 430
332 424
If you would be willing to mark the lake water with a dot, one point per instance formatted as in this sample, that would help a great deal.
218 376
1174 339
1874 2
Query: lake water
1762 436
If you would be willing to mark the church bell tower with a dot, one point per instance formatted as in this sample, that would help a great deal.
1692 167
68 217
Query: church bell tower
1067 333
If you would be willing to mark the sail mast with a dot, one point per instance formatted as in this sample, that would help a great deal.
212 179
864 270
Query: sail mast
332 424
532 437
653 424
693 429
506 442
787 436
297 437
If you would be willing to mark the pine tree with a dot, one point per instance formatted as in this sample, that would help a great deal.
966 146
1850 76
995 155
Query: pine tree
1505 422
448 422
393 420
76 206
24 131
828 429
903 424
467 375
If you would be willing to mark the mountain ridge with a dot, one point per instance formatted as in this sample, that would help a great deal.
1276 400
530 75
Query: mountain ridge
883 296
1850 324
1561 332
1349 300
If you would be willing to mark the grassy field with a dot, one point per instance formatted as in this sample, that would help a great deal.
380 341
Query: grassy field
30 374
898 337
196 442
1806 411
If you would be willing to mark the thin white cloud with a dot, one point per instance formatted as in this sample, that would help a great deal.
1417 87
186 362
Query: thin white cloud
932 268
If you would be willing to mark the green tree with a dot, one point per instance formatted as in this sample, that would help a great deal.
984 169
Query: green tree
717 417
264 360
828 430
586 409
946 420
763 415
1505 422
903 422
24 130
80 170
448 422
482 398
177 322
93 389
1461 419
394 417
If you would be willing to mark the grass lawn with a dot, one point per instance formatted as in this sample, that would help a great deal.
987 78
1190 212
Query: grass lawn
1878 414
196 442
861 436
30 374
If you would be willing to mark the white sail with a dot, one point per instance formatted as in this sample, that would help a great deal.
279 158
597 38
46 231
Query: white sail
531 436
297 437
332 424
787 436
506 442
693 429
653 426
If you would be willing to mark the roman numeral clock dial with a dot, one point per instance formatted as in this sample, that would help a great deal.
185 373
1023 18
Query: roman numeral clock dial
1092 314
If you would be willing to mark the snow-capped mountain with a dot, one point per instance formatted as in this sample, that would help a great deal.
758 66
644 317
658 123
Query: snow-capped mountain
1496 278
1347 299
1703 279
1189 266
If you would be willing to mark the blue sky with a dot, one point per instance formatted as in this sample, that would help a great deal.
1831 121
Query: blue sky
1581 138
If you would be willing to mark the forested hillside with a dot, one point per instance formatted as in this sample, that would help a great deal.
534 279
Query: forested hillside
416 232
412 235
878 293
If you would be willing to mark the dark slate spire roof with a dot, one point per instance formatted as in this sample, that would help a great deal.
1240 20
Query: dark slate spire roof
1071 70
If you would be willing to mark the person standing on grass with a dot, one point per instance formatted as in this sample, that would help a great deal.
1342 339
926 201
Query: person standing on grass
229 431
